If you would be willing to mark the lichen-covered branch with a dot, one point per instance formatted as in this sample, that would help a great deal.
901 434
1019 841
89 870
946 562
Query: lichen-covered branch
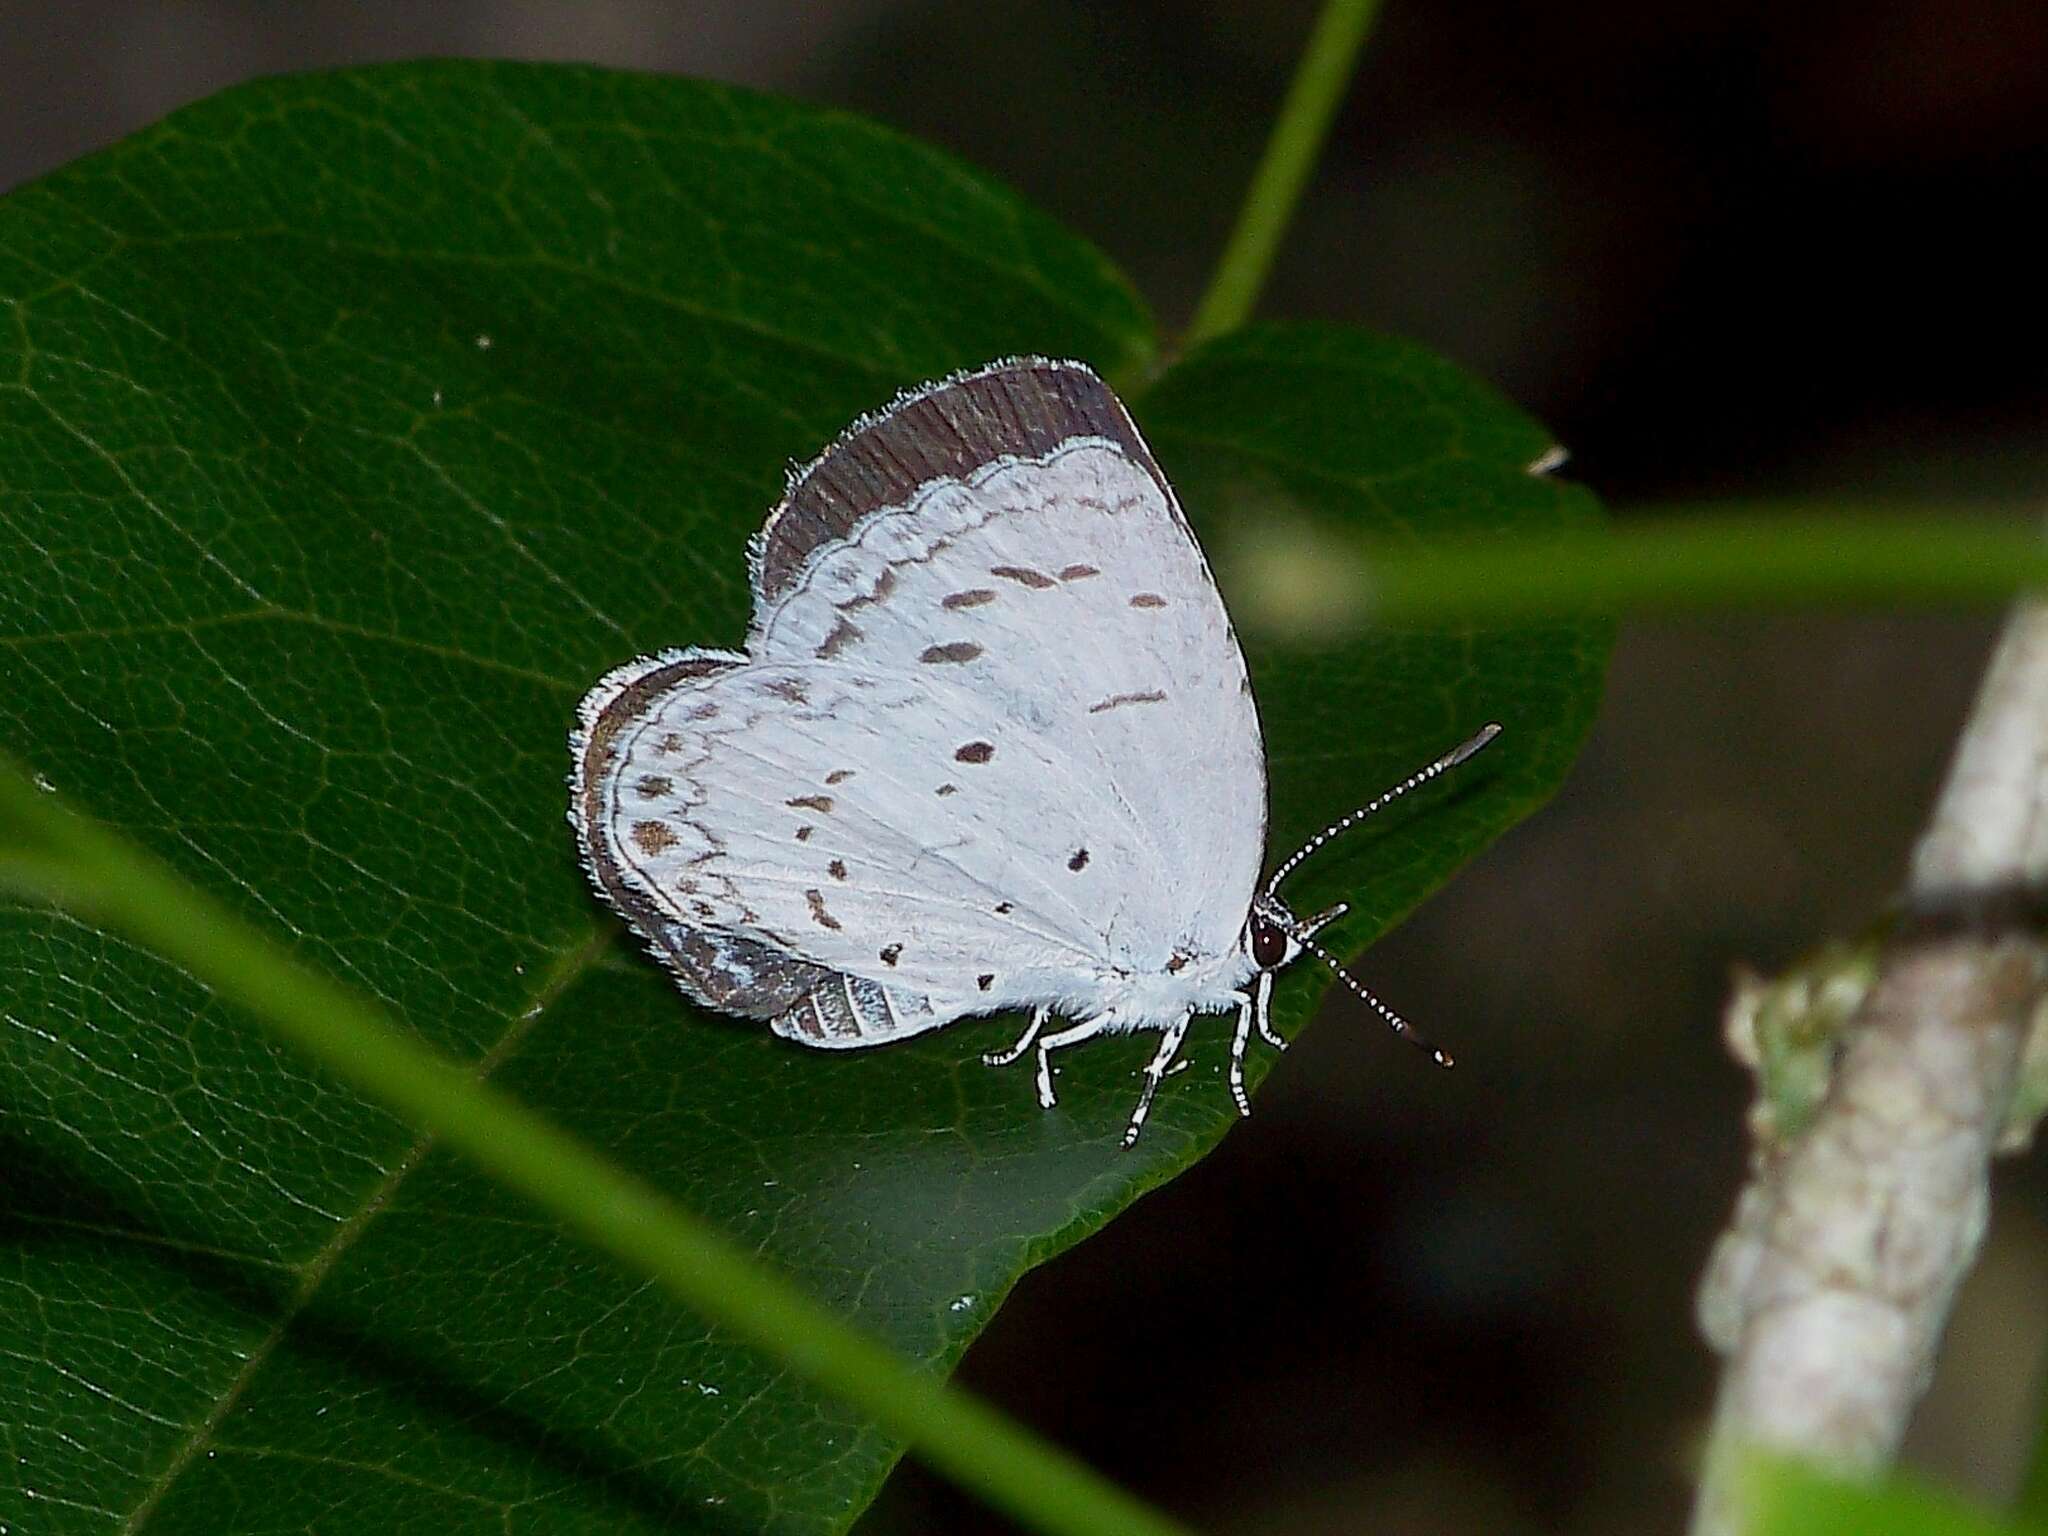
1829 1290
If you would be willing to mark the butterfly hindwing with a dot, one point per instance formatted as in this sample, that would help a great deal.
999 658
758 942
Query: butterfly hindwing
722 970
860 822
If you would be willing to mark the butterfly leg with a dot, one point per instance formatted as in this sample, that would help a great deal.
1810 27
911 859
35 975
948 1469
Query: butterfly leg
1073 1034
1262 1007
1004 1058
1247 1005
1154 1071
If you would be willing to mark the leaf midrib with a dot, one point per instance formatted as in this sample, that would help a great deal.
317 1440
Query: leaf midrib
560 976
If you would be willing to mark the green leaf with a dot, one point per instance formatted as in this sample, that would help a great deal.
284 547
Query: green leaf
1788 1499
349 427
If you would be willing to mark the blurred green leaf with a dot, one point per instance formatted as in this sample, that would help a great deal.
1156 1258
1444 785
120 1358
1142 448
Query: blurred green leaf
2031 1503
350 426
1788 1499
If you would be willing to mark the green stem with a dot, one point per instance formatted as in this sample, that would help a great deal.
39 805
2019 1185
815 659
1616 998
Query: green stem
112 882
1705 563
1298 134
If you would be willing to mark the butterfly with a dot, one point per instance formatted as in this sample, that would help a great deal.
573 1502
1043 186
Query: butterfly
991 746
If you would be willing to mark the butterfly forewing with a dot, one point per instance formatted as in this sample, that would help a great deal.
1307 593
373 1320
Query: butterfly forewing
1058 579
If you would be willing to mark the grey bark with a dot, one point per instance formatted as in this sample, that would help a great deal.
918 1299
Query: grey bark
1828 1293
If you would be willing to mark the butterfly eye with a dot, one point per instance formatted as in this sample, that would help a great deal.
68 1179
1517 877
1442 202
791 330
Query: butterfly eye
1269 944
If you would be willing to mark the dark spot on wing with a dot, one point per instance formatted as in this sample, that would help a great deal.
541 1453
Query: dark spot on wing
884 585
843 634
811 803
803 834
986 981
889 955
836 869
1079 861
819 915
1118 700
973 597
947 789
974 752
1023 575
1078 573
838 775
654 836
953 650
653 786
1148 600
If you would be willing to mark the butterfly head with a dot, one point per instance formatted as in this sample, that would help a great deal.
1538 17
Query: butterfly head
1274 937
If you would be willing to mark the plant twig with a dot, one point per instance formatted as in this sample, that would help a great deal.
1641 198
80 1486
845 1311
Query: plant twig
1298 133
1829 1291
1795 557
101 877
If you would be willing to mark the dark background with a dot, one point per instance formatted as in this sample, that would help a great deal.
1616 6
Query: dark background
1724 250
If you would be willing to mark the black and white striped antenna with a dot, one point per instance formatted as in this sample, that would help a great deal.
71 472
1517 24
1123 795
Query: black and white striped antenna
1422 776
1303 933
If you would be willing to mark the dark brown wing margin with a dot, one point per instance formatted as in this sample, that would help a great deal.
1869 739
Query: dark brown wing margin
1024 407
734 974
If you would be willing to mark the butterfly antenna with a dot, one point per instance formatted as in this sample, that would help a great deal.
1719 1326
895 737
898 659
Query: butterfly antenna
1415 780
1399 1025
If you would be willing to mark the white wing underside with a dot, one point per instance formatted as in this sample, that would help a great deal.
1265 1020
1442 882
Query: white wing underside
992 748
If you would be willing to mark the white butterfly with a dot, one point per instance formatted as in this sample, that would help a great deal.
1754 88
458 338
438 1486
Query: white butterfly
991 746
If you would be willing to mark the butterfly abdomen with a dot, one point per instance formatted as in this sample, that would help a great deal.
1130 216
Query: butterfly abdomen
847 1012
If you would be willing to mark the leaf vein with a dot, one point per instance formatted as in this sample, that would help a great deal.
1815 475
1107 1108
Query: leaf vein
205 1433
